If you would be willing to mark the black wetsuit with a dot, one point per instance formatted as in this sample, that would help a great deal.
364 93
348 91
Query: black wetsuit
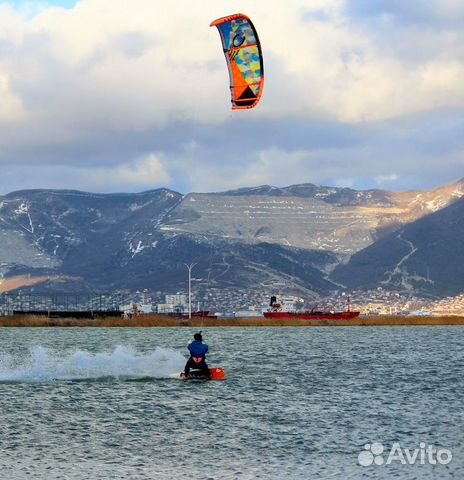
199 366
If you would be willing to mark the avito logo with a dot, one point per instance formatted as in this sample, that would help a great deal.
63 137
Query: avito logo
375 454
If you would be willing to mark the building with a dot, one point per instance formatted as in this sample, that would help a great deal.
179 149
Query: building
174 304
177 299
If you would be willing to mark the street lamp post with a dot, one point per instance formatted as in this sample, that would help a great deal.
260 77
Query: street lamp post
189 267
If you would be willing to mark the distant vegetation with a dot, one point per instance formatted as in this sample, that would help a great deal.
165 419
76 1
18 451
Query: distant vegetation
165 321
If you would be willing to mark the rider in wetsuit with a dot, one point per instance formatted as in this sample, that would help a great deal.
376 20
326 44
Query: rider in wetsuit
197 358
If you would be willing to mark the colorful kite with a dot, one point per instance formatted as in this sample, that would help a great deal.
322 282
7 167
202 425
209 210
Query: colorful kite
244 59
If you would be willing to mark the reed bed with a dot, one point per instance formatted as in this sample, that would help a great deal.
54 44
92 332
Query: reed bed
197 322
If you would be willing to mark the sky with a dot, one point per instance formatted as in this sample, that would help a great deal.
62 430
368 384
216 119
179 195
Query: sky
112 95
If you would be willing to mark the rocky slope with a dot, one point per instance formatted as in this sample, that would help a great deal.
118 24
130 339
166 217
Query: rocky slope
426 256
339 220
296 235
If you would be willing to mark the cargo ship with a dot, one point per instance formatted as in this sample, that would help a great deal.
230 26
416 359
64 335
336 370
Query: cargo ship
285 309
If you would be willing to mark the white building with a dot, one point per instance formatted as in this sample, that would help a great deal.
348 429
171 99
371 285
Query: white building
174 303
136 308
165 308
177 299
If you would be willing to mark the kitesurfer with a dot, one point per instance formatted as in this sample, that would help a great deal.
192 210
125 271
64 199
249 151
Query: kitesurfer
197 358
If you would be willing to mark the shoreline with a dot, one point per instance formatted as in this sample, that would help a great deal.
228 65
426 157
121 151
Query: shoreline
165 321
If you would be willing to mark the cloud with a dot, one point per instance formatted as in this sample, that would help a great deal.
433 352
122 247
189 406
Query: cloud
11 110
350 85
116 58
143 173
388 178
140 174
422 150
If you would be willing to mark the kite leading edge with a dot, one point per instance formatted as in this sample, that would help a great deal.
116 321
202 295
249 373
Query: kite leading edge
242 50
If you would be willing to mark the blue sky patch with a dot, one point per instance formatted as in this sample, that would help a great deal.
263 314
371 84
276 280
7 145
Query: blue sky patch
25 3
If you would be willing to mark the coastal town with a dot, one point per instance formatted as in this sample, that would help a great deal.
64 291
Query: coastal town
370 302
232 302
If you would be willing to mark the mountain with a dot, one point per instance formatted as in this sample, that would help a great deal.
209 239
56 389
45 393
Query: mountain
339 220
66 232
43 228
95 242
426 256
301 236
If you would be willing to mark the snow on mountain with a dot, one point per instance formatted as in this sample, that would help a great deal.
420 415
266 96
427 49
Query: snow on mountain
124 241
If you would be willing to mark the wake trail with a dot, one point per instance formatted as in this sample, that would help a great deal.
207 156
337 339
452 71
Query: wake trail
123 363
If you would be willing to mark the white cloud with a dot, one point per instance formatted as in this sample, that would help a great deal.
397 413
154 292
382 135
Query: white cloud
275 167
11 110
143 173
382 179
90 86
82 61
278 167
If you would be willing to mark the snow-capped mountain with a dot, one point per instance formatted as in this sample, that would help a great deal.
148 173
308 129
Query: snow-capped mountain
238 238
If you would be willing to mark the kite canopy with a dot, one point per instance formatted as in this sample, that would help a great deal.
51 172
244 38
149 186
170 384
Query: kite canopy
244 59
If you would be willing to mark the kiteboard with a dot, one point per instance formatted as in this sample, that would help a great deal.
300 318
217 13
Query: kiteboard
216 373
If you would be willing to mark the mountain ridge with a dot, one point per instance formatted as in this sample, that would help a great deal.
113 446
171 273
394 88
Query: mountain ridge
413 258
112 241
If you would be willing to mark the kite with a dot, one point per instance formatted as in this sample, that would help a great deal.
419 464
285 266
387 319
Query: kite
244 59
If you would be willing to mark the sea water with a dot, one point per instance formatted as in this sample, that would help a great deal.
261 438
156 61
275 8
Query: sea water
299 403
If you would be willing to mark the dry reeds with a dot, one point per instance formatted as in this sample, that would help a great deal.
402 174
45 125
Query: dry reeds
166 321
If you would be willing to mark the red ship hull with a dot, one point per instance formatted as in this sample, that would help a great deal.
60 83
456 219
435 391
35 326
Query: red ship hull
313 315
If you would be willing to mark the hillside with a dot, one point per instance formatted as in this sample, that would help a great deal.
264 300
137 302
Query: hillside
426 256
293 236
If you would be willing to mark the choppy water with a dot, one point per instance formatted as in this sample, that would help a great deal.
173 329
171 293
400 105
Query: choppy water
299 403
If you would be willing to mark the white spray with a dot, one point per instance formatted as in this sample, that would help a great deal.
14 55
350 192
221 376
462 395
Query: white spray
121 363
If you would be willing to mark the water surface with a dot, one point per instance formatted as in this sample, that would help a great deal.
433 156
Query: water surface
299 403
